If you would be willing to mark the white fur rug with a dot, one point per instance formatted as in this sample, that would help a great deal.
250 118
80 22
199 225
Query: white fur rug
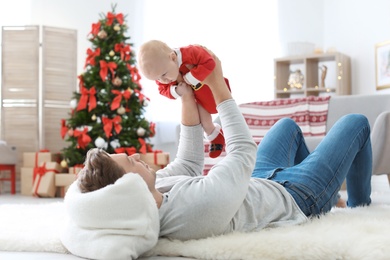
361 233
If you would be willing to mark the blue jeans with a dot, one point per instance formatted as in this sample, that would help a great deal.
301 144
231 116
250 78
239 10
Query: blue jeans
314 179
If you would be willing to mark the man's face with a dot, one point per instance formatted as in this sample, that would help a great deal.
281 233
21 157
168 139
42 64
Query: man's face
133 165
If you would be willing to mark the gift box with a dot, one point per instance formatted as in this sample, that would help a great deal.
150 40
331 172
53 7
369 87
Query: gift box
75 169
36 159
44 179
62 182
26 180
156 160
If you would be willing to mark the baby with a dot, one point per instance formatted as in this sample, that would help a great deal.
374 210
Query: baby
190 64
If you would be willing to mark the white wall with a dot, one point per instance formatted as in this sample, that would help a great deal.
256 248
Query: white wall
243 34
352 27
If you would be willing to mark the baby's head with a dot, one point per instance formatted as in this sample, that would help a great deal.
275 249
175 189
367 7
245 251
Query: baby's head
157 61
99 171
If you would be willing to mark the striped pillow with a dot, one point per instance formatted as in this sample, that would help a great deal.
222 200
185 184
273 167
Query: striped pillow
310 113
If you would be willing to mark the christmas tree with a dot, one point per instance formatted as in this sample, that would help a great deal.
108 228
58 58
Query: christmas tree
107 111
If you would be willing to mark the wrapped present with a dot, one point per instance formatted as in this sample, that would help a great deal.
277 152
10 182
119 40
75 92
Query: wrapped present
8 154
157 160
36 159
44 179
26 180
62 182
75 169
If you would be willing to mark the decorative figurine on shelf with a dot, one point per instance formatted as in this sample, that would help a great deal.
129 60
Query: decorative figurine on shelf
295 81
324 69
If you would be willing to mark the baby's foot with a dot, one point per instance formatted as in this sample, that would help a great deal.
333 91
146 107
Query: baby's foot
216 145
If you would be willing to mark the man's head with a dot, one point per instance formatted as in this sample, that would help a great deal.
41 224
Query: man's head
157 61
102 169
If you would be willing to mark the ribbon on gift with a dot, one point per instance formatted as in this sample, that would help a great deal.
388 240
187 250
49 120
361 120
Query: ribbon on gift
75 167
85 96
127 150
38 173
123 49
83 138
95 28
108 124
91 55
155 156
37 155
116 102
111 17
104 67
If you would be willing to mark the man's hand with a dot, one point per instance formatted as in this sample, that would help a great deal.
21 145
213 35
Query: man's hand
216 81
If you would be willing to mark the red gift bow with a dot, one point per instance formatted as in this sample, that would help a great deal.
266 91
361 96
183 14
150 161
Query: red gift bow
111 17
116 102
64 128
85 95
127 150
40 171
83 138
122 49
95 28
110 123
37 154
91 57
104 66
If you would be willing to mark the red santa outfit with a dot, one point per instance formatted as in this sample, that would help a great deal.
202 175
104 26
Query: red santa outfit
195 64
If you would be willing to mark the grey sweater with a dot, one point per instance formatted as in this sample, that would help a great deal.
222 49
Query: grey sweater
227 199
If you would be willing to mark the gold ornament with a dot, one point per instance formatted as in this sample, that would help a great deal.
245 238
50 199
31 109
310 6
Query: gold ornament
93 117
70 132
117 81
102 34
64 164
121 110
111 53
117 27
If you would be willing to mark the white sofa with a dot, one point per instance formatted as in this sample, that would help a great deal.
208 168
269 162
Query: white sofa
375 107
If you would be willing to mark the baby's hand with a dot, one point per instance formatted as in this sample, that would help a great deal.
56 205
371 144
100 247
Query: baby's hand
182 89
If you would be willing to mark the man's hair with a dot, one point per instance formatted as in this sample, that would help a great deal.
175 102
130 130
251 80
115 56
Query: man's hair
99 171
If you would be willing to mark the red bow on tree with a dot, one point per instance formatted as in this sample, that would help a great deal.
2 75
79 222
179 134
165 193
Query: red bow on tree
152 128
135 76
104 66
112 123
85 95
111 17
95 28
81 84
116 102
140 95
122 49
83 138
64 128
127 150
91 57
143 148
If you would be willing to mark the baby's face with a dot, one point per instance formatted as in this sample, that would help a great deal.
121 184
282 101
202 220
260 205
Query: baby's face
164 69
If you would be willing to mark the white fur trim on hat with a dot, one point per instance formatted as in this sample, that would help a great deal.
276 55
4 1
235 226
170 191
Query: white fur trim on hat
119 221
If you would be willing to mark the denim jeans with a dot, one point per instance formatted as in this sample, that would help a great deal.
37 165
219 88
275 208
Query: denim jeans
314 179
